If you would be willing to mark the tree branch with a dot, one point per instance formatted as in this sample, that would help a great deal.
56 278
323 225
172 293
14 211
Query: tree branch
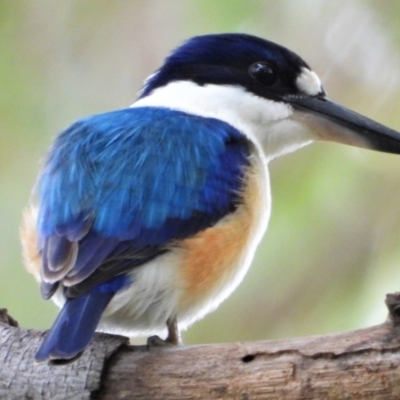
362 364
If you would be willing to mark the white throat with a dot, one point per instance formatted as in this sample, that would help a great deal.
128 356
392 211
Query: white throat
263 121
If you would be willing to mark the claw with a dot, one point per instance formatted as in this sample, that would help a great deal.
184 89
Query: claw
173 338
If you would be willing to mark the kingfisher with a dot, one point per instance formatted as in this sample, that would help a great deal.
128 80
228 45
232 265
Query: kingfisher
148 217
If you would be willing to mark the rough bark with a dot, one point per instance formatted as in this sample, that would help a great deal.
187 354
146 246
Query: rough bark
362 364
22 378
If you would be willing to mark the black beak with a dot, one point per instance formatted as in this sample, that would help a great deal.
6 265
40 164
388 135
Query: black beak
337 123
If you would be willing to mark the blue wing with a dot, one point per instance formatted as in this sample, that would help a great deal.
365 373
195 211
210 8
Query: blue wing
117 188
115 191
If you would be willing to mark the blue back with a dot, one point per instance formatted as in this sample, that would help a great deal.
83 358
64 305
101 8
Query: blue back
136 179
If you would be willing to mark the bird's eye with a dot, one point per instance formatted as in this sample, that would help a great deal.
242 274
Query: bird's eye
263 73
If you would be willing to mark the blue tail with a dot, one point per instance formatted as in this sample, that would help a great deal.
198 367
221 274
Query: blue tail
74 327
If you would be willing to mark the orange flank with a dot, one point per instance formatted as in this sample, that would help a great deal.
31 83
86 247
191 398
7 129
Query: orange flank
213 259
29 240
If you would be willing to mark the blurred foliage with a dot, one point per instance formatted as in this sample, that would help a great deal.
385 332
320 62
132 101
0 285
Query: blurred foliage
332 250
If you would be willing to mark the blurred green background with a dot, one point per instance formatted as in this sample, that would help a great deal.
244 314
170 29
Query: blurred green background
332 249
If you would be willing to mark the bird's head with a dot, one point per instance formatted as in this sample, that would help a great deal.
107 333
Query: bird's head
263 89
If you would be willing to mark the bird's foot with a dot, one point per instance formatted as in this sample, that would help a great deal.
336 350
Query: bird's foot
156 341
173 338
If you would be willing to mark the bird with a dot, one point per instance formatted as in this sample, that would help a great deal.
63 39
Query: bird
146 218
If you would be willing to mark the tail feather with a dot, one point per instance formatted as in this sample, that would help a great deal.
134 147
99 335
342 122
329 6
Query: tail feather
74 327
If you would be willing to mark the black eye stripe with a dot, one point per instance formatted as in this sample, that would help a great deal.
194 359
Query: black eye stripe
263 73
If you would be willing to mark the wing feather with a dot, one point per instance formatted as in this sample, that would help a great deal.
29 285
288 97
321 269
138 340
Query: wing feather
118 188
